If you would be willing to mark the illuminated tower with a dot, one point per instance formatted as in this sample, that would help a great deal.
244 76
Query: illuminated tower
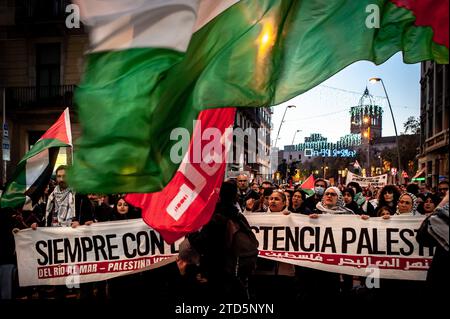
366 118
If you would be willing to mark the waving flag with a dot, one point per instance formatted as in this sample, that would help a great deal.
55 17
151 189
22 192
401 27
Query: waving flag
154 65
308 183
188 201
356 165
35 169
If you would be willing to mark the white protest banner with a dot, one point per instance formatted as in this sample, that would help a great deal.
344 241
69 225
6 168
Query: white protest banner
344 243
64 255
376 181
337 243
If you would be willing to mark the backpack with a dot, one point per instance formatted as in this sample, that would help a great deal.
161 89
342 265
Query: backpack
241 248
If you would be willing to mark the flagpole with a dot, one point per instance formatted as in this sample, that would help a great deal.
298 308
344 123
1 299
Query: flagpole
3 128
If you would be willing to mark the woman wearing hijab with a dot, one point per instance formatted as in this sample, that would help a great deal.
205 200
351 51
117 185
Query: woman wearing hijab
332 203
348 196
316 282
406 206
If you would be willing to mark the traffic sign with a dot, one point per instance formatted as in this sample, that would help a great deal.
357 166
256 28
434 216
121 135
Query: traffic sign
393 171
5 130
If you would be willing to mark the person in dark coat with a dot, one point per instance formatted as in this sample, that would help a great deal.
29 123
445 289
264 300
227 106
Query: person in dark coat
348 196
434 232
211 244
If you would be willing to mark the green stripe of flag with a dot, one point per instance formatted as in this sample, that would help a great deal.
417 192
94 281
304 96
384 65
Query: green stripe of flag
256 53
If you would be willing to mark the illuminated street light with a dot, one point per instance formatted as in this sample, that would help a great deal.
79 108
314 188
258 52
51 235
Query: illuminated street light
375 80
293 139
325 172
282 120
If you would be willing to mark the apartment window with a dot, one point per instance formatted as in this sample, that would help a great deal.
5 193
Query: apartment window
48 68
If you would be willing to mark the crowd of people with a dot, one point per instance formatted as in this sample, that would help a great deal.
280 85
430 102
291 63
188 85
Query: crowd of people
201 269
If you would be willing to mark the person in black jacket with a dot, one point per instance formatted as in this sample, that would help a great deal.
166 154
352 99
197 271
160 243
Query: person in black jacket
348 196
211 244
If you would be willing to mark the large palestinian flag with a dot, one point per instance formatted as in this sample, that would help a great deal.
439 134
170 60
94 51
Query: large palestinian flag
33 172
154 65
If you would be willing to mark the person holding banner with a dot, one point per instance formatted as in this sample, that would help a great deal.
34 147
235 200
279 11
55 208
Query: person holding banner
361 200
274 279
314 283
278 202
406 289
407 205
298 203
332 203
348 196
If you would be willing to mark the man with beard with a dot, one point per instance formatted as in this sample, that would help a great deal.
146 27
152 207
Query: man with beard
64 208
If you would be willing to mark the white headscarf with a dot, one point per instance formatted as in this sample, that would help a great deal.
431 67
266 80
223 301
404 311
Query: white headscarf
340 205
413 210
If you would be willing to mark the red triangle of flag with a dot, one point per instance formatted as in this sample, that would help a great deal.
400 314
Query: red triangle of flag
61 129
309 183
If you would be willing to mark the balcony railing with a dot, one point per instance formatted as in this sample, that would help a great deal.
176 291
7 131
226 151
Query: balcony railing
41 96
35 11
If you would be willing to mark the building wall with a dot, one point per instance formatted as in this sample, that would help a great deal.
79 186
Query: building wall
73 64
18 46
259 119
434 109
14 69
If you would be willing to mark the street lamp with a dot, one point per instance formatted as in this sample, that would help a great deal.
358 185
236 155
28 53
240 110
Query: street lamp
367 121
375 80
282 120
295 133
325 172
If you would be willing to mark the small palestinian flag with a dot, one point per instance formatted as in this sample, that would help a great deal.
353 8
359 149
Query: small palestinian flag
35 169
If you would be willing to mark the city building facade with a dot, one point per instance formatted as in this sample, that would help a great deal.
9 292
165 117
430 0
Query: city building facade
41 62
434 127
251 153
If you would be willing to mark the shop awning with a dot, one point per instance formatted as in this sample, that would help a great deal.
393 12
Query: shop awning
420 173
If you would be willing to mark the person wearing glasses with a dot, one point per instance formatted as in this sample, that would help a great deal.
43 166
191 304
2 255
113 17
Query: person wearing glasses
442 189
332 203
313 282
